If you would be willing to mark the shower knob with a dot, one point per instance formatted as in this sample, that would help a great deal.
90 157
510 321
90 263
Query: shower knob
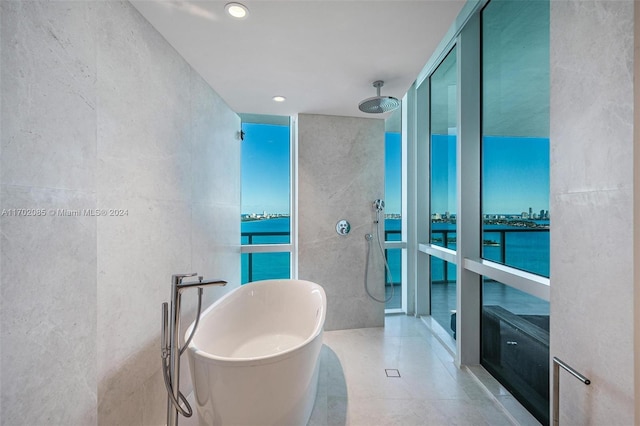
343 227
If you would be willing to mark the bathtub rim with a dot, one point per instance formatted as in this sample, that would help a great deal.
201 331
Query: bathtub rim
264 359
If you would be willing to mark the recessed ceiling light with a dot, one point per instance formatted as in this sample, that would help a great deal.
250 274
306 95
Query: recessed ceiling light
279 98
237 10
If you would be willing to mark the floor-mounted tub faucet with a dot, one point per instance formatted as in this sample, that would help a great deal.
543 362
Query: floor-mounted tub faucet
170 344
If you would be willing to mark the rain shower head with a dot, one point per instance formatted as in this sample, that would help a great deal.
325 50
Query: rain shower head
379 104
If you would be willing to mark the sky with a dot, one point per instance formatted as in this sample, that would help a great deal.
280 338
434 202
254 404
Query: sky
393 172
515 172
265 168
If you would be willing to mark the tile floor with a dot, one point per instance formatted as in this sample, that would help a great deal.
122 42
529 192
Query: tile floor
354 388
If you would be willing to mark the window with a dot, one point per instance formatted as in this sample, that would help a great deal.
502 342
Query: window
443 198
393 209
515 344
265 266
482 185
443 294
515 140
443 121
515 195
393 176
266 198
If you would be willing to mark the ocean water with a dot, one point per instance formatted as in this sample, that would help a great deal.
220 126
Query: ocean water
525 249
262 266
528 251
277 265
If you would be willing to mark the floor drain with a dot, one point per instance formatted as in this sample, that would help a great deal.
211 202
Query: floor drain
392 372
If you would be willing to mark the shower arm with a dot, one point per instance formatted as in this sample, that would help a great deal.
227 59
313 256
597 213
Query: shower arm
378 84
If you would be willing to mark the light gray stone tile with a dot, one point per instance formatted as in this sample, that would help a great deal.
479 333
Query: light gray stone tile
592 59
48 309
137 254
96 101
144 128
592 257
215 146
341 172
591 104
48 94
215 246
165 177
426 393
155 396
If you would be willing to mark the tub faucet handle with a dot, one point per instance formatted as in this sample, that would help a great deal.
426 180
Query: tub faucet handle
178 277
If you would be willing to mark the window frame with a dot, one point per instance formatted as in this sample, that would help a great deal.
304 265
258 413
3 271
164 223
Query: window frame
402 243
290 247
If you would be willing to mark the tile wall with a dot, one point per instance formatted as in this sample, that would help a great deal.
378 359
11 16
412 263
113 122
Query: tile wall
99 112
341 173
592 54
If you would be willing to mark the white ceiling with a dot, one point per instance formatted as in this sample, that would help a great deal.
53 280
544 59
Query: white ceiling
322 55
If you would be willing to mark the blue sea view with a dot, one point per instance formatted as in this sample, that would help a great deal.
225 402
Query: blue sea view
262 266
525 249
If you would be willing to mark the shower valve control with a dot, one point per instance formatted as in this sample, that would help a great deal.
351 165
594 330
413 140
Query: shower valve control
343 227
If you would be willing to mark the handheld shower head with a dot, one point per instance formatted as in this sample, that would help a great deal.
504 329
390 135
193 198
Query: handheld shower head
378 205
379 104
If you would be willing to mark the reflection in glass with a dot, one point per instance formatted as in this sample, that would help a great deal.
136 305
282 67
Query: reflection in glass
394 258
443 294
393 168
515 127
515 344
443 202
443 119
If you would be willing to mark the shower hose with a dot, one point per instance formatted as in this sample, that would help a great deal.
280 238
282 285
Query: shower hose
369 237
168 380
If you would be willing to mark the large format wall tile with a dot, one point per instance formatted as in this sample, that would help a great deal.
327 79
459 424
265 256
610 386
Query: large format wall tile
99 111
592 101
48 263
137 254
216 147
341 173
144 128
215 245
48 92
175 167
592 54
48 309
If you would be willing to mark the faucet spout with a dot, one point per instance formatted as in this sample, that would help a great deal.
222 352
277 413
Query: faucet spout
200 283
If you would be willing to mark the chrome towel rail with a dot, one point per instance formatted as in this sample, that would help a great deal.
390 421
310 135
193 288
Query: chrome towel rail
557 363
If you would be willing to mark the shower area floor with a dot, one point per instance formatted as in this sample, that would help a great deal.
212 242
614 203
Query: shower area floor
402 375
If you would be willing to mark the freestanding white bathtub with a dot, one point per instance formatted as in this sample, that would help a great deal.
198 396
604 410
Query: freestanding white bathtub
255 355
